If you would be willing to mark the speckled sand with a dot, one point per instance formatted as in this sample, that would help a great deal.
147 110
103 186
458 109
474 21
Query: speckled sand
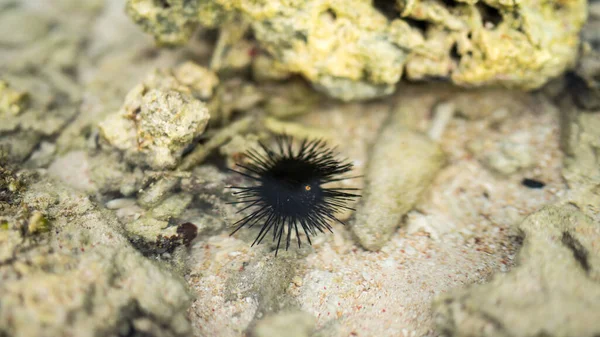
460 233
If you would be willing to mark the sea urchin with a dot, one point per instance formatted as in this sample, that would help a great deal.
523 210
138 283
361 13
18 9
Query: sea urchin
289 191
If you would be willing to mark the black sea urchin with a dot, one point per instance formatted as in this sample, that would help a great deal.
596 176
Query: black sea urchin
289 189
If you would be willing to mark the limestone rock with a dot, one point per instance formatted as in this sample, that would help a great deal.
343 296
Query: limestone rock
265 280
12 101
159 119
585 83
581 143
81 278
403 163
291 324
553 291
360 49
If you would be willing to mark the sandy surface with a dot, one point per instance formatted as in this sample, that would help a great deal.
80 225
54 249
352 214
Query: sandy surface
460 233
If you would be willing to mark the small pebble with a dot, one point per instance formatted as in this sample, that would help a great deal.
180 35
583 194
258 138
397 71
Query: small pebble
532 183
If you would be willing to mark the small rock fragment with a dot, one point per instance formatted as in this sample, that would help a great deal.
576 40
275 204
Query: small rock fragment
120 203
290 324
291 100
234 150
265 68
171 207
19 145
233 95
108 171
507 155
201 81
226 133
38 223
165 20
265 280
160 118
167 122
402 164
157 191
73 169
12 102
149 229
43 156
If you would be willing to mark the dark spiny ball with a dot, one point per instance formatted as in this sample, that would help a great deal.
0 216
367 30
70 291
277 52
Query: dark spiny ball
289 192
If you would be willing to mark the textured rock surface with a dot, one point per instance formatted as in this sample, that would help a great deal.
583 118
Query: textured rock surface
40 68
291 324
86 56
461 231
580 134
585 85
581 142
81 277
359 50
160 118
553 291
554 288
402 165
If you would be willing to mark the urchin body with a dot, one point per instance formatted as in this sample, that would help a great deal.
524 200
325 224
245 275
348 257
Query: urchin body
289 193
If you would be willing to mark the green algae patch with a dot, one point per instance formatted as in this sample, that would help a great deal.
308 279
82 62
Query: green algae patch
12 101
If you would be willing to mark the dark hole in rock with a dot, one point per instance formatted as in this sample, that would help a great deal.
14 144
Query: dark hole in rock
147 53
70 71
454 55
208 35
532 183
388 8
418 24
579 251
164 3
331 12
489 14
188 149
301 36
432 79
450 3
584 97
517 240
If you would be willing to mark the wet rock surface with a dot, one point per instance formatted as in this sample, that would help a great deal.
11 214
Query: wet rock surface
402 165
360 50
556 278
293 324
160 118
585 83
67 269
115 214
